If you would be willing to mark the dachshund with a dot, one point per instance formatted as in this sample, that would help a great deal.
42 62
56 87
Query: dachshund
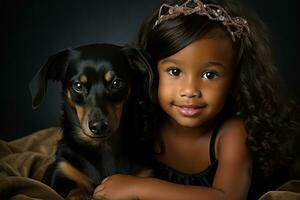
103 90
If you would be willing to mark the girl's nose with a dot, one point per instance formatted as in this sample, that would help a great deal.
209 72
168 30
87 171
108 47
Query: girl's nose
190 90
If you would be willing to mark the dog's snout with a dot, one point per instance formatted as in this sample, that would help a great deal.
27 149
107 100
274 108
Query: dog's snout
97 127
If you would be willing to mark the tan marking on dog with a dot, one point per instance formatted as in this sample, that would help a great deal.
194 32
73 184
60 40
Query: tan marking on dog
80 110
75 175
109 76
83 78
116 112
114 115
120 106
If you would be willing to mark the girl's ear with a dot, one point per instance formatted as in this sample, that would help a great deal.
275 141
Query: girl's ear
54 69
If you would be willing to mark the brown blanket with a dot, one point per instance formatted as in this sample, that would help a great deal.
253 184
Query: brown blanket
288 191
24 161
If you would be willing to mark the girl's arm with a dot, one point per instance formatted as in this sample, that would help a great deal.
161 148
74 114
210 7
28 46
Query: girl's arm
231 181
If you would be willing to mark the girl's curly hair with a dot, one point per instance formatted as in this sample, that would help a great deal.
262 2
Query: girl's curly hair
261 103
256 95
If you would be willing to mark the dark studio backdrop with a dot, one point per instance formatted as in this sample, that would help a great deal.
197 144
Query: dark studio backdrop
32 30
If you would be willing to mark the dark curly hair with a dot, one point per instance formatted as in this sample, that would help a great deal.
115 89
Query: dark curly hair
256 95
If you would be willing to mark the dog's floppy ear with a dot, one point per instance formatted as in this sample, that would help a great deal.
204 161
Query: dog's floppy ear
141 63
54 69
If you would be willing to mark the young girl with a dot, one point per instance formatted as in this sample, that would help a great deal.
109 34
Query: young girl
218 115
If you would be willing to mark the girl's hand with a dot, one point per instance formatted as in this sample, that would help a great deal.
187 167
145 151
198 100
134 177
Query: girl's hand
118 187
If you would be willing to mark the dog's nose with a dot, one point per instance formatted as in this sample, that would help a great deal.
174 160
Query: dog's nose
98 126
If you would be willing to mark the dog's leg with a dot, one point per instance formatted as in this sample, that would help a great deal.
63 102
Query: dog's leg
75 175
56 180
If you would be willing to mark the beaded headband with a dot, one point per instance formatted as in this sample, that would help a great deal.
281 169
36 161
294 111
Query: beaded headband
234 25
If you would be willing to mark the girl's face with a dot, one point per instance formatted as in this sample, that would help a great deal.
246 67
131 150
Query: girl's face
194 82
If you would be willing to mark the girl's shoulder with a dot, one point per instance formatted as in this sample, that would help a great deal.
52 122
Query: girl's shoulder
232 137
234 161
233 127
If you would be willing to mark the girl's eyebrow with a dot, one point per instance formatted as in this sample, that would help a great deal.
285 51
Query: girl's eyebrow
166 60
206 64
212 63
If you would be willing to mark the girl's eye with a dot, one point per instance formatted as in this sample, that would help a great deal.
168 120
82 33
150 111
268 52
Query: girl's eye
210 75
78 87
174 72
117 83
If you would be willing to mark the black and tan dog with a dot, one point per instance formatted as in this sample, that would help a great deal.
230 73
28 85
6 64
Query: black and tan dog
103 87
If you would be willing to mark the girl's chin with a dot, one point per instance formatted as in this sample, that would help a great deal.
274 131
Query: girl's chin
188 123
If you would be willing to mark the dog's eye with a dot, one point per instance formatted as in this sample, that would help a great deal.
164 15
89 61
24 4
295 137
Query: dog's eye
78 87
117 83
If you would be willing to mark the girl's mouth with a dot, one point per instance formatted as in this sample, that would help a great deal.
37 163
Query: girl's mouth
189 110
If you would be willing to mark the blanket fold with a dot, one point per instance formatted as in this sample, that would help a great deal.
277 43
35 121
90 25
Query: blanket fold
24 161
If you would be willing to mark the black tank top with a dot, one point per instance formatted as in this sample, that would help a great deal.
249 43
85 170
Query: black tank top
204 178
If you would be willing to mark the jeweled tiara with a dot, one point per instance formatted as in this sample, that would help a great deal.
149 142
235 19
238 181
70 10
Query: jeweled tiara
235 25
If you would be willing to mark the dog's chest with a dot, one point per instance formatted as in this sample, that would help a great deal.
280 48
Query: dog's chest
106 164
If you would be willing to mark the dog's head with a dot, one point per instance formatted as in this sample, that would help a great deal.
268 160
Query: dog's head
98 81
